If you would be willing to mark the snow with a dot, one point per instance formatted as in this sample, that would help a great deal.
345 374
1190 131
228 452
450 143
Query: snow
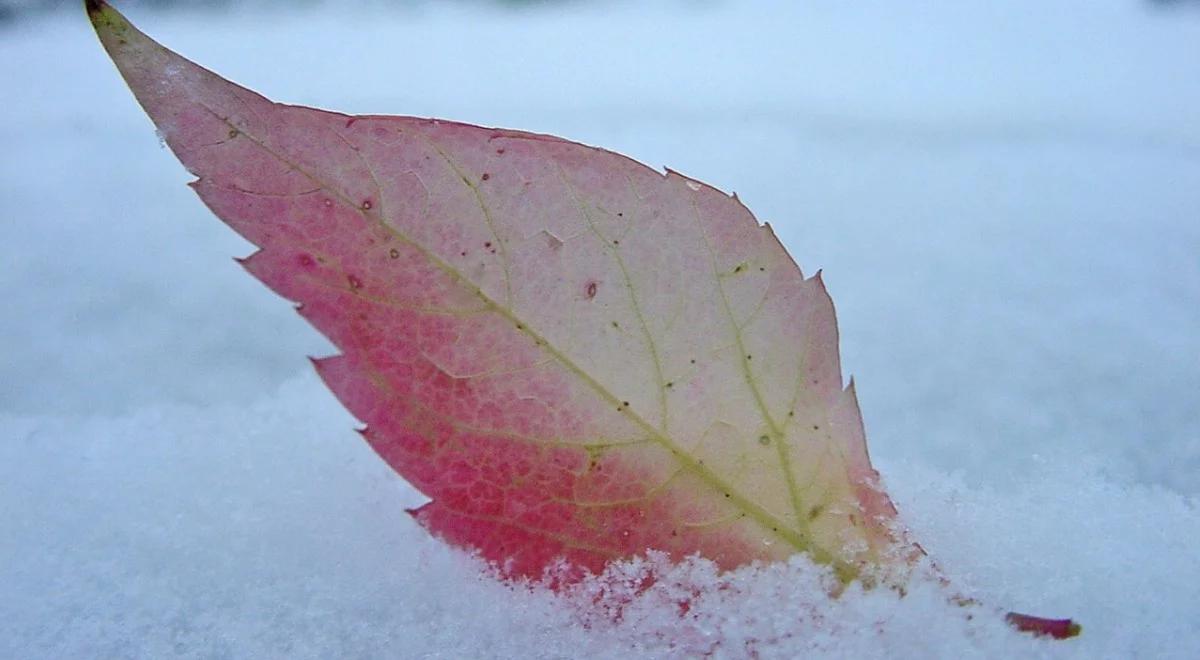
1005 202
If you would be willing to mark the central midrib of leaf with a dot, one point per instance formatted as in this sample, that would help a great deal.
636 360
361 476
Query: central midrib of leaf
764 518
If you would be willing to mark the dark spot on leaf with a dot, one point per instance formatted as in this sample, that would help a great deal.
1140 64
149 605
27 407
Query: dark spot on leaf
764 440
233 132
670 385
761 269
591 290
738 269
791 413
463 253
816 428
693 360
625 404
620 214
749 357
726 494
487 244
814 512
394 253
615 324
500 150
615 242
486 176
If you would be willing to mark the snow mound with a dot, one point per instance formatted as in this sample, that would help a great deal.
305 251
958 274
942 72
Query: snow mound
269 528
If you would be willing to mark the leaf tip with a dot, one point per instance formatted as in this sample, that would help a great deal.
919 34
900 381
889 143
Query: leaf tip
110 25
102 14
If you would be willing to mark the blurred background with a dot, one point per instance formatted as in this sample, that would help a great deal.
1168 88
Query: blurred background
17 8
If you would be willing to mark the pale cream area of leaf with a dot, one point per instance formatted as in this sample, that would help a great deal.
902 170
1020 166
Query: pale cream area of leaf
500 241
773 428
736 451
651 345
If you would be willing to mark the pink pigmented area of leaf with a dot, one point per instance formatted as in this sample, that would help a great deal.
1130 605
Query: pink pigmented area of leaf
521 504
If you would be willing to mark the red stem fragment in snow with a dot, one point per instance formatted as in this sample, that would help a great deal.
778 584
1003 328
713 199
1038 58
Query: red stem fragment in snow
1056 628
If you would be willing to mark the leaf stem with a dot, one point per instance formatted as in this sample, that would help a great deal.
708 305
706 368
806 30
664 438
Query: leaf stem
1039 627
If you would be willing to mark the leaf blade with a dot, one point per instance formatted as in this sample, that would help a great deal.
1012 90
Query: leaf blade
556 344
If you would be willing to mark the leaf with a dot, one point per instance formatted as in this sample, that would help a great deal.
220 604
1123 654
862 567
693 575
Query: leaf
569 353
574 356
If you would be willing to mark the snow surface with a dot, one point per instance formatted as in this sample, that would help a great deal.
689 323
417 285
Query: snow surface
1005 200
